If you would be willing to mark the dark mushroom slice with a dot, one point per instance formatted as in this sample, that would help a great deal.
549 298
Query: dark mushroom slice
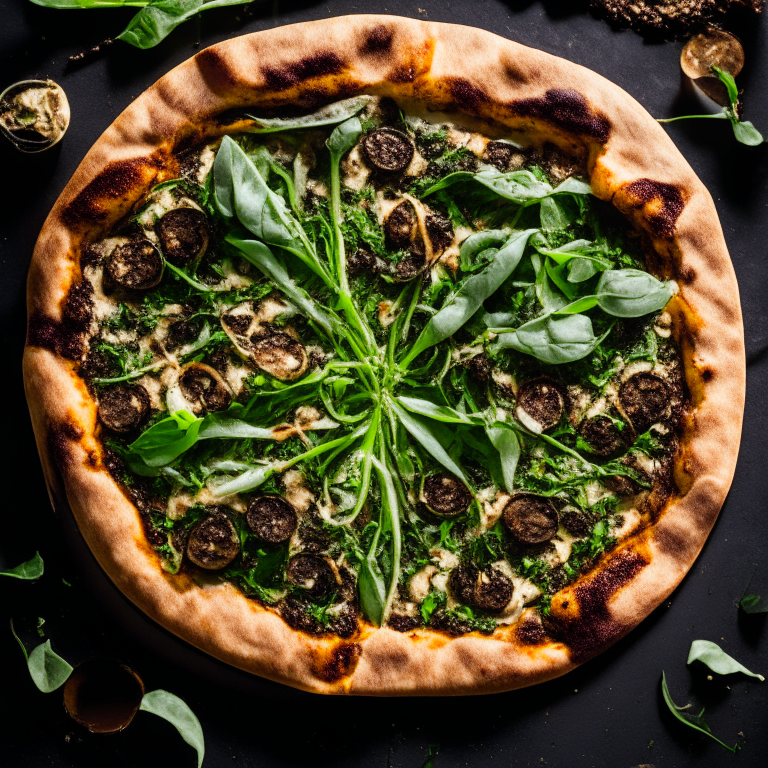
602 435
444 495
204 388
623 485
213 543
272 519
279 355
401 622
183 234
531 520
388 150
576 521
410 266
123 409
238 324
502 154
401 225
440 231
136 265
362 261
542 400
488 589
644 398
479 366
313 574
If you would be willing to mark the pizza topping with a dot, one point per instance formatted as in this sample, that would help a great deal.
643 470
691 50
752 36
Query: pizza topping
271 519
644 398
183 235
540 403
388 150
279 354
488 589
602 435
313 574
401 225
123 409
445 496
135 265
531 520
204 389
503 154
213 543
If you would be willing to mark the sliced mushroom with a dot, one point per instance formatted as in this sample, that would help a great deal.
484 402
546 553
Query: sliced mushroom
123 409
388 150
272 519
577 521
213 543
401 225
440 231
715 47
444 495
602 435
502 154
488 589
136 265
644 398
203 389
530 519
540 403
280 355
183 234
312 573
362 261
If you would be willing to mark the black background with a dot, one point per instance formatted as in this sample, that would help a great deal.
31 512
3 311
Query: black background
608 712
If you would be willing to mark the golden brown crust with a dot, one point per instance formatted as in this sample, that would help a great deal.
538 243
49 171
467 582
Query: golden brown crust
631 162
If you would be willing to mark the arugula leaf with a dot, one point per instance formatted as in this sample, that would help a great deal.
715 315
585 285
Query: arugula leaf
168 439
470 295
250 477
434 600
552 339
47 669
331 114
178 714
715 658
32 569
692 721
430 761
440 412
753 604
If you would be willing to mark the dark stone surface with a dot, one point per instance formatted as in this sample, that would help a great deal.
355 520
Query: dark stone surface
608 712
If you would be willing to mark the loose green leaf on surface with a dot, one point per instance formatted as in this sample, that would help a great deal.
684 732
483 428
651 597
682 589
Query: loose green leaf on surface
430 761
715 658
47 669
31 569
178 714
692 721
334 113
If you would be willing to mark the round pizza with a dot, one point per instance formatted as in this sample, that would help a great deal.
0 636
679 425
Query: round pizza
377 356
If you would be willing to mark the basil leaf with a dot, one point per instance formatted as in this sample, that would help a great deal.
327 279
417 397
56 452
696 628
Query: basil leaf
178 714
581 269
167 440
692 721
344 137
715 658
506 442
552 339
440 412
631 293
429 441
518 186
470 295
746 133
32 569
573 186
262 257
554 215
328 115
158 19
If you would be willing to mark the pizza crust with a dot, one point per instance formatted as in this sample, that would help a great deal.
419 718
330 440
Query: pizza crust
503 87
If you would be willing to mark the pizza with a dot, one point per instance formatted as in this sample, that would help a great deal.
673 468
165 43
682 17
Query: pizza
377 356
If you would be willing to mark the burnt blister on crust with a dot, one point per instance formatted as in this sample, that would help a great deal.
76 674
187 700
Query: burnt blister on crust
213 543
272 519
543 400
61 338
136 265
123 409
288 75
388 150
183 234
660 204
532 520
445 496
568 110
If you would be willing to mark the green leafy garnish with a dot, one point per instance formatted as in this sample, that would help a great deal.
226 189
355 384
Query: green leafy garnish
32 569
178 714
47 669
715 658
692 721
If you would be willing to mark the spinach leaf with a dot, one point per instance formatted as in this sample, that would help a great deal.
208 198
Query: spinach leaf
343 137
470 295
426 437
328 115
753 604
692 721
518 186
32 569
631 293
215 427
250 477
167 440
505 440
552 339
479 248
715 658
178 714
47 669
